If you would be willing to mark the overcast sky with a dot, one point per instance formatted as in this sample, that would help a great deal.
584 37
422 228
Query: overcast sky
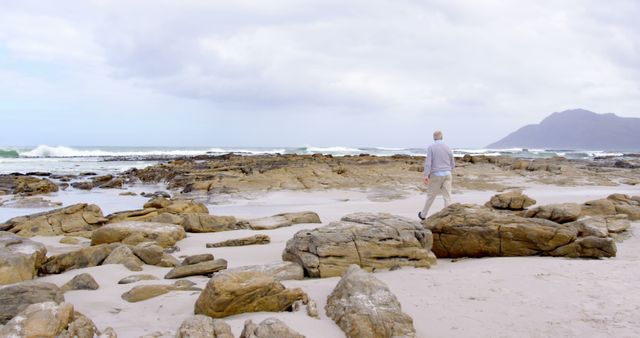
301 73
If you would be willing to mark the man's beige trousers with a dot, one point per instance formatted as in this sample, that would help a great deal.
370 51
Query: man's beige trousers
437 185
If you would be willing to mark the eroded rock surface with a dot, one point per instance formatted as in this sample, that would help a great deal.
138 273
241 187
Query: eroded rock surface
20 258
144 292
511 200
464 230
71 220
369 240
282 220
268 328
203 268
83 281
82 258
280 271
228 294
364 307
251 240
133 232
559 213
17 297
199 326
26 185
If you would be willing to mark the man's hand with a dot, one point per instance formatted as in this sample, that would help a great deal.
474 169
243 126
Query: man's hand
426 180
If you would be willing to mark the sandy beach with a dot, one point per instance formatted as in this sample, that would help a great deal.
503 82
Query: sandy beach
487 297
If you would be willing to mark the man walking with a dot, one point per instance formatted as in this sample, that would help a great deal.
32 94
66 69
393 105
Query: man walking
437 173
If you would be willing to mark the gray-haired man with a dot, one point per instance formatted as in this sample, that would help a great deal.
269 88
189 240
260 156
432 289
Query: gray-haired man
437 173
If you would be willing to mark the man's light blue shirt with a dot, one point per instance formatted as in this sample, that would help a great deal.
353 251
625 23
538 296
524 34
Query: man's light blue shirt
441 172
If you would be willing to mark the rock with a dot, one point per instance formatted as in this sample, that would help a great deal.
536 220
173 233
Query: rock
109 332
20 258
559 213
168 261
128 193
80 326
144 292
17 297
68 220
149 252
132 233
372 241
69 240
268 328
40 320
208 223
123 255
228 294
512 200
312 309
204 268
83 185
195 259
463 230
251 240
83 281
619 223
591 226
205 327
26 185
31 202
282 220
136 278
589 247
364 307
115 183
82 258
280 271
157 206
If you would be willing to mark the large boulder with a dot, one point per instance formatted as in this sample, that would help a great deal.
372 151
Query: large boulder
369 240
20 258
26 185
280 271
511 200
74 219
268 328
282 220
228 294
203 326
133 232
463 230
364 307
17 297
559 213
157 206
82 258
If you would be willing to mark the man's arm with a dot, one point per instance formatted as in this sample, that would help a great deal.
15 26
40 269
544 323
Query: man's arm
453 160
427 165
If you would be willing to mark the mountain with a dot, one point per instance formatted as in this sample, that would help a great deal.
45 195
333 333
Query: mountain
577 129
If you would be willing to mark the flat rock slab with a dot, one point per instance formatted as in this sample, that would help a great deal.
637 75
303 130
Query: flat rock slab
364 307
132 233
17 297
204 268
466 230
511 200
77 218
20 258
372 241
228 294
251 240
144 292
190 260
282 220
559 213
136 278
82 258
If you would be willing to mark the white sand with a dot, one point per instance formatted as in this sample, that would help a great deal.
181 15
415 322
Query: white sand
490 297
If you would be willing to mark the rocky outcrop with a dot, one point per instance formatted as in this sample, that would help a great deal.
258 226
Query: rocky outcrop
17 297
76 219
133 232
158 206
204 326
31 202
125 256
463 230
601 226
281 220
372 241
85 257
364 307
26 185
20 258
511 200
51 320
83 281
201 222
268 328
204 268
228 294
251 240
144 292
614 204
280 271
559 213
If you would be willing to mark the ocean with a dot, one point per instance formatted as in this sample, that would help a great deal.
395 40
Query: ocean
103 160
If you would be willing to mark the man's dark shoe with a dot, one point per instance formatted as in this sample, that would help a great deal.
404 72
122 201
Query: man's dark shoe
420 216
